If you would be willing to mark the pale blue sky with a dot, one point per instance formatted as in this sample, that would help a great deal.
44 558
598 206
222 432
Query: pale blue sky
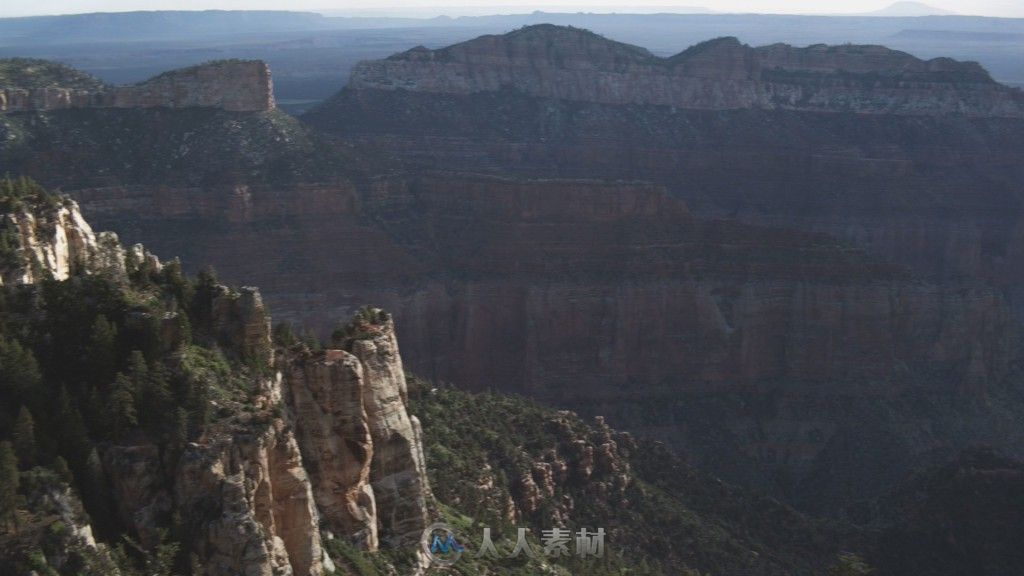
1009 8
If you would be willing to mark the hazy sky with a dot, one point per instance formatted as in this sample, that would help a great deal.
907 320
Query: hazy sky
1013 8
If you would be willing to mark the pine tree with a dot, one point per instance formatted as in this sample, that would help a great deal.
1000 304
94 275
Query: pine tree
96 411
138 371
94 489
198 404
184 329
122 405
178 284
155 401
60 466
19 371
284 335
102 350
202 300
8 485
72 435
180 425
25 438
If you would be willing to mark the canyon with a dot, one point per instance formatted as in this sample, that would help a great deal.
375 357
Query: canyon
308 461
799 266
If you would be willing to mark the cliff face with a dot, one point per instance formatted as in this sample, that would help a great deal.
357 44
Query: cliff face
364 450
244 500
241 494
326 395
570 64
237 86
347 458
57 243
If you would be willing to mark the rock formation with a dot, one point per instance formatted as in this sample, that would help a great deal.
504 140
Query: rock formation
56 242
398 471
232 85
313 441
364 450
613 298
326 397
571 64
254 497
244 500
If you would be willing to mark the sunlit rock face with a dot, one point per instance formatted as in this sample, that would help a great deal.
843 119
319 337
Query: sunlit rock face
571 64
363 449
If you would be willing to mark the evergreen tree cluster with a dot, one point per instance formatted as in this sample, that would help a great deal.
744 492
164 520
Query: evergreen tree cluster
102 358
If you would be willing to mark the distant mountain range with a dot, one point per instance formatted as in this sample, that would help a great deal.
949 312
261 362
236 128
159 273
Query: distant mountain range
312 54
911 9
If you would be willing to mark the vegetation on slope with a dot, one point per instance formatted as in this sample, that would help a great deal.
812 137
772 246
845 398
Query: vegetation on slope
669 519
31 73
161 146
102 358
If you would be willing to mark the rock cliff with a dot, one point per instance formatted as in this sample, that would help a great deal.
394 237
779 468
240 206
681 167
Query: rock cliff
364 450
232 85
44 238
571 64
243 499
296 442
347 457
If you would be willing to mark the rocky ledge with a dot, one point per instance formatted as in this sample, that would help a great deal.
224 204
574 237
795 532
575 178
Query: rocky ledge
233 85
549 61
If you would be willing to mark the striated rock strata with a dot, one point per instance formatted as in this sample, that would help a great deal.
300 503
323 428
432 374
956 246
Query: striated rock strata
613 298
810 302
571 64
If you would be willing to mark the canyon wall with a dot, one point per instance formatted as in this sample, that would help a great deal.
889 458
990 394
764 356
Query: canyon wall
571 64
615 299
233 85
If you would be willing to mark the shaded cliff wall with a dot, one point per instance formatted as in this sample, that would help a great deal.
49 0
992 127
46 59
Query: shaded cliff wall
739 343
943 196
